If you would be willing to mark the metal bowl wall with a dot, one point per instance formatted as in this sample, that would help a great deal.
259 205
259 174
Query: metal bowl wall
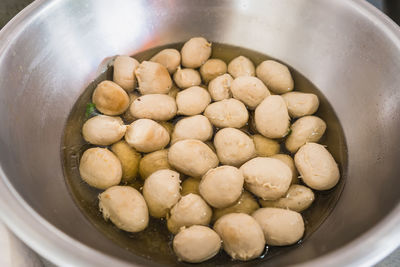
51 51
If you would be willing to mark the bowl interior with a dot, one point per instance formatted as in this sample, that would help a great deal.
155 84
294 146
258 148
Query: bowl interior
52 55
155 241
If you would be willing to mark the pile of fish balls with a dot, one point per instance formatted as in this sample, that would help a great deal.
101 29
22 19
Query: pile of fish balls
181 123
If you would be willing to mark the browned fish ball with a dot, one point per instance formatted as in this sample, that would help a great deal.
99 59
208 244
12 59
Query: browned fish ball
110 98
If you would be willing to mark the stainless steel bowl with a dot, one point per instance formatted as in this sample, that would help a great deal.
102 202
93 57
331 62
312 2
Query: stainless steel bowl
51 51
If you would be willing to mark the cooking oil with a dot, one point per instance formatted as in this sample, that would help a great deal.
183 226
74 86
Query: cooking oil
155 241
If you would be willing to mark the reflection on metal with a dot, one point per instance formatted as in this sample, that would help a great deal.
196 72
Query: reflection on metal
51 52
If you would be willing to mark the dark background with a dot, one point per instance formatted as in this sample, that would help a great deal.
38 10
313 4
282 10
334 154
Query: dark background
9 8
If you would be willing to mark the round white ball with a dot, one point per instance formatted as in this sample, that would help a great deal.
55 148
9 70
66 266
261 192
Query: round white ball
220 87
192 157
146 135
265 147
110 98
124 72
195 52
169 58
192 101
185 78
157 107
190 210
125 207
304 130
161 192
221 186
301 104
227 113
196 244
298 198
276 76
317 167
153 78
212 68
100 168
241 66
129 159
281 227
250 90
243 239
152 162
272 118
233 146
103 130
194 127
267 178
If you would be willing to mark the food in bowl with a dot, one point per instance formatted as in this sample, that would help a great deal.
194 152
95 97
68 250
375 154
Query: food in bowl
227 131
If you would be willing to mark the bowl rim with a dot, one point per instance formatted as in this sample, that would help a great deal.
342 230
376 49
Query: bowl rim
43 237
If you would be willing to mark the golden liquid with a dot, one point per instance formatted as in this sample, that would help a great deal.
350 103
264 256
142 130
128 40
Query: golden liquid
155 241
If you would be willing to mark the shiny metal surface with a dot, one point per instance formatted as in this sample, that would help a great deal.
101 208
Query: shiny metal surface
51 51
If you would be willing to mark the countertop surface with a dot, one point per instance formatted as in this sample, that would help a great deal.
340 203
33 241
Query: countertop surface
10 245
